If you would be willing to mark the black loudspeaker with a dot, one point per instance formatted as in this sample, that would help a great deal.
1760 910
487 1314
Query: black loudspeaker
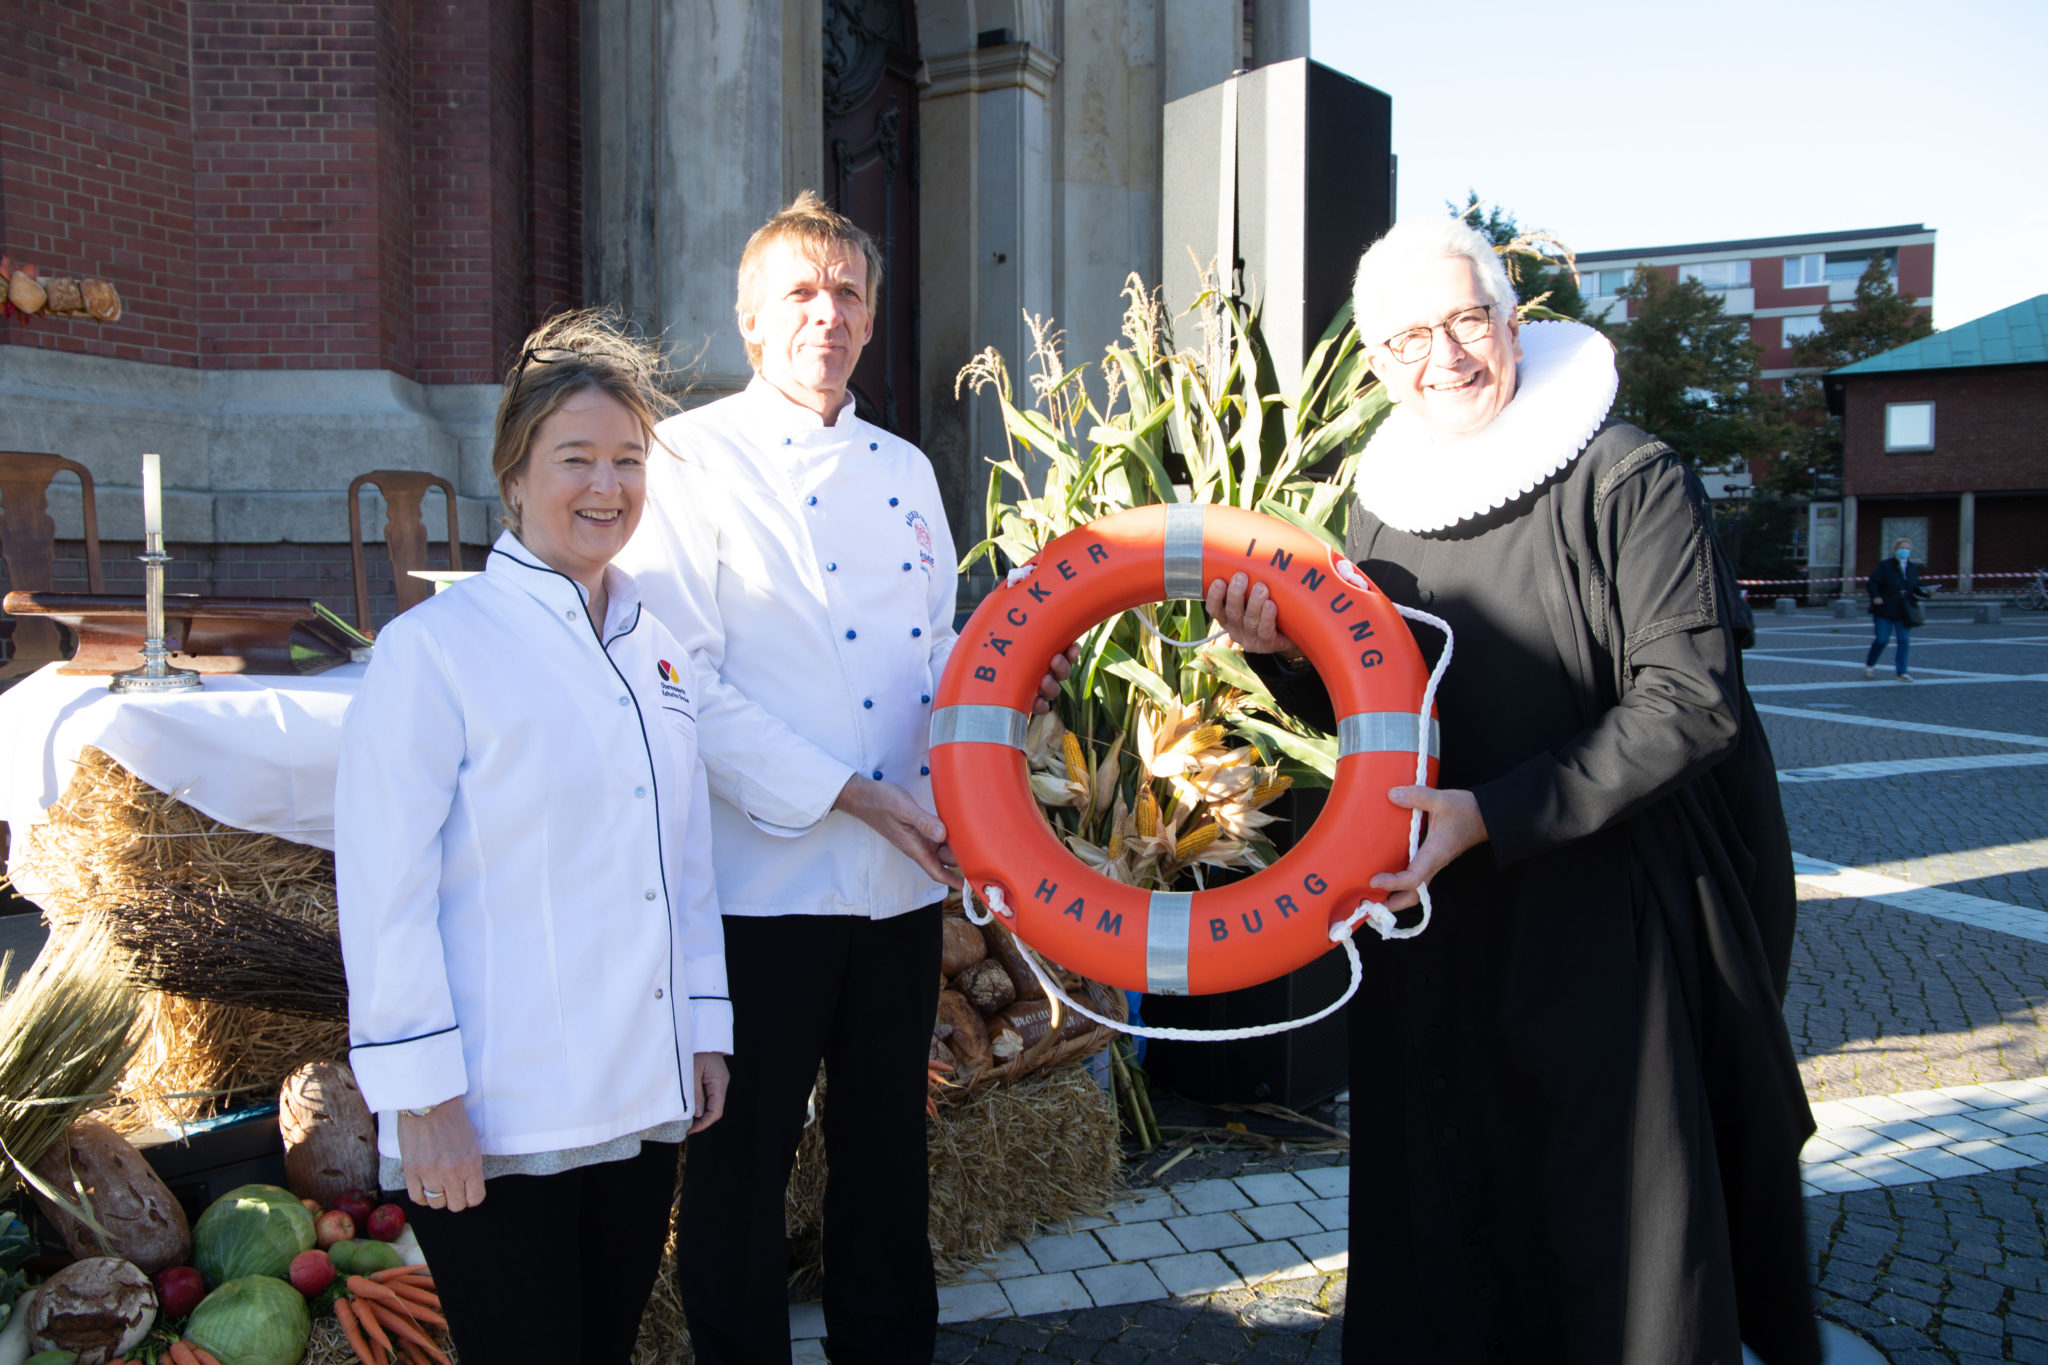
1299 1068
1283 176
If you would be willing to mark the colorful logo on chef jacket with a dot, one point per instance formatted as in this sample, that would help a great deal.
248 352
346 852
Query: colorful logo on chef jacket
672 682
919 528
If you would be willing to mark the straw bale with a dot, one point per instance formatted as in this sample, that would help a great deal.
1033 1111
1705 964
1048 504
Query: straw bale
113 840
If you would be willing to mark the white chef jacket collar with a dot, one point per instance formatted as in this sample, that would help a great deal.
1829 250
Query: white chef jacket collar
522 568
783 416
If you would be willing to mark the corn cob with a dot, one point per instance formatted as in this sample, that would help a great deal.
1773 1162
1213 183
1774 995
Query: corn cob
1195 840
1266 791
1148 813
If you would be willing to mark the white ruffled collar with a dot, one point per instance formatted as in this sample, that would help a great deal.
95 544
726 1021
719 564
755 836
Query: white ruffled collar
1563 388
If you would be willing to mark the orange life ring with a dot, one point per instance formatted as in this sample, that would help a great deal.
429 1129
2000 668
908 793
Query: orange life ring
1179 943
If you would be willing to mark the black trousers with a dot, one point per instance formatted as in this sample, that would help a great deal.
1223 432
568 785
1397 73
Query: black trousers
553 1266
859 995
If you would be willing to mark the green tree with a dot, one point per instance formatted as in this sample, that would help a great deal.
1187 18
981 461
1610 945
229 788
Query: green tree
1689 373
1539 266
1880 319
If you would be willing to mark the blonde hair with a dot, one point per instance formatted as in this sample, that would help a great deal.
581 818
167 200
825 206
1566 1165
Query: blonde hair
594 354
814 228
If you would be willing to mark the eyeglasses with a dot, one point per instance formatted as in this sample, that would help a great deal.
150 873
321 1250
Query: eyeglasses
1465 327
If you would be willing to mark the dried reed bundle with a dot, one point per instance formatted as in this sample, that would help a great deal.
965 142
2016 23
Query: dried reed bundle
204 945
67 1030
114 840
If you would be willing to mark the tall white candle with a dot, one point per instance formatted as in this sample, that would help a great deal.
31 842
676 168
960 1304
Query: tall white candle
152 496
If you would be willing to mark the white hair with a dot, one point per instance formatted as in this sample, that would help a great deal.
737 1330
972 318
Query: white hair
1407 244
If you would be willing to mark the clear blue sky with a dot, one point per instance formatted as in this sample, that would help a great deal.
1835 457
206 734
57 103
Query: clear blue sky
1623 125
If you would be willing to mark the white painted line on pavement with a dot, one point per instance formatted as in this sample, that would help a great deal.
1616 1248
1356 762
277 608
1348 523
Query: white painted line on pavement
1921 1135
1920 679
1910 726
1903 767
1773 657
1958 907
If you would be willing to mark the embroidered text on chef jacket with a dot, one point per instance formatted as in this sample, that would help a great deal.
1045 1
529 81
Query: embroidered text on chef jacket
809 570
522 857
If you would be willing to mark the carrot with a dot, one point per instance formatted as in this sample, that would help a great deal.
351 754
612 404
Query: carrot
411 1294
403 1272
205 1357
369 1289
345 1315
181 1354
398 1326
373 1328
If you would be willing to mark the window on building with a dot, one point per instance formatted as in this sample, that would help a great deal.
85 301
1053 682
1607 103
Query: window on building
1803 326
1804 270
1720 274
1908 426
1602 284
1850 265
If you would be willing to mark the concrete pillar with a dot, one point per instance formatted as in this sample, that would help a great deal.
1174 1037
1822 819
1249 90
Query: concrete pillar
1966 541
987 244
1279 31
1850 568
683 158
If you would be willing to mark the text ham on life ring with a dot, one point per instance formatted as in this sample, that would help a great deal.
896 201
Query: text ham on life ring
1179 943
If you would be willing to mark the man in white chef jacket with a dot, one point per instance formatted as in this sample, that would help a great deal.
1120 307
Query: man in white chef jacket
803 558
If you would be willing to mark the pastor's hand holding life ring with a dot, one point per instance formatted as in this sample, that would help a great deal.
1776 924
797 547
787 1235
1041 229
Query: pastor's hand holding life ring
1058 671
893 813
1248 613
1453 824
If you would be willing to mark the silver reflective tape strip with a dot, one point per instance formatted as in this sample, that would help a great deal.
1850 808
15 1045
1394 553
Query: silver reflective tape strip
1382 732
1166 942
1183 550
978 725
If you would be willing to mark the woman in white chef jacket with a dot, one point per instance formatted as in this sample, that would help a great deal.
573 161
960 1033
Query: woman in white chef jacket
537 998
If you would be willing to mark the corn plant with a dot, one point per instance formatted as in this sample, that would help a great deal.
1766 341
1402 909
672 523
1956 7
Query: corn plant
1156 762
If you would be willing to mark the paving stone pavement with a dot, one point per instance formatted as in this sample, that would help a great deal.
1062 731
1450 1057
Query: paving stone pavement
1883 1000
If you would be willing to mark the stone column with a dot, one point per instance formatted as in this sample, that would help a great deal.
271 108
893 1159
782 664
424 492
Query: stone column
1279 30
1966 541
1850 568
988 244
684 157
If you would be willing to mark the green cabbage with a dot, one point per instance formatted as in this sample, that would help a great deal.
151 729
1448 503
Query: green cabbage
254 1320
255 1230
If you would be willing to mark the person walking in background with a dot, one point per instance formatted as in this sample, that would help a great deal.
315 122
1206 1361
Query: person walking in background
1895 594
803 558
536 976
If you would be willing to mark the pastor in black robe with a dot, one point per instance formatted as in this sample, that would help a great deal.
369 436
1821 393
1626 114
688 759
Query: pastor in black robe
1576 1112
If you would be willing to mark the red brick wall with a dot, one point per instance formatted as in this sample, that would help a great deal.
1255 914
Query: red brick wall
1990 432
96 167
1937 556
2012 536
362 184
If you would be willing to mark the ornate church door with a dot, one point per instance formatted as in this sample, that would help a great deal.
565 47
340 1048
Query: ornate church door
871 177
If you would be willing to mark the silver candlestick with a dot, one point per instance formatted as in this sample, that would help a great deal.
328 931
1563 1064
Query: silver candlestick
156 673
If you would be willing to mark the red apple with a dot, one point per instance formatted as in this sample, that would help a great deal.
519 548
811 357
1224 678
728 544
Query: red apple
179 1290
312 1207
311 1272
331 1227
356 1205
386 1222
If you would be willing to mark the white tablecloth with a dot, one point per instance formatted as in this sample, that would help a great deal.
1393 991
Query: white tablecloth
258 753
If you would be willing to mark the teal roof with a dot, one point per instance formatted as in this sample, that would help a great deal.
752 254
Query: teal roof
2012 336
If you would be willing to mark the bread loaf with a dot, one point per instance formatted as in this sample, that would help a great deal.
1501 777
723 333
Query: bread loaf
98 1307
144 1223
65 299
330 1139
987 985
24 293
101 300
1004 948
964 947
960 1028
